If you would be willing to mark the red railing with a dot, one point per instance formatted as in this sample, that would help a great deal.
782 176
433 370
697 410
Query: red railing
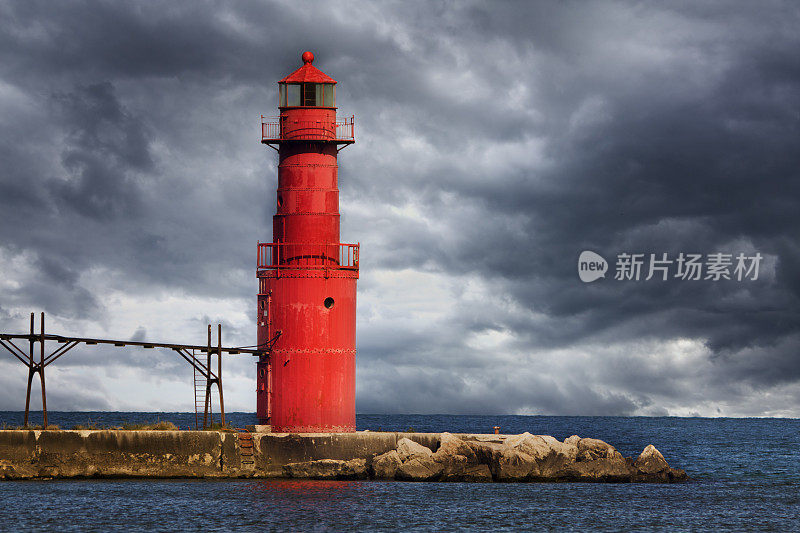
272 129
346 129
279 255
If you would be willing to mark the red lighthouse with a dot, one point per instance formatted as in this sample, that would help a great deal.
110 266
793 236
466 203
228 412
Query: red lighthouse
307 278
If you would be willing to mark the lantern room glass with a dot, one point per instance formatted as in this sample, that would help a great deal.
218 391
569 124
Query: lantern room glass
293 95
327 92
306 95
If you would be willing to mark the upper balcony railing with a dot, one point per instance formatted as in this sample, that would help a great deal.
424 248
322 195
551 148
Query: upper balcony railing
281 255
277 129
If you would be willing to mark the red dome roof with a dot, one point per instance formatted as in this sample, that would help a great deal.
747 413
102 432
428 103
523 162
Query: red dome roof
308 73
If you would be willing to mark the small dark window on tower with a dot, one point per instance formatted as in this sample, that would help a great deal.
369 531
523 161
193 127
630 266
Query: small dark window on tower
328 302
310 94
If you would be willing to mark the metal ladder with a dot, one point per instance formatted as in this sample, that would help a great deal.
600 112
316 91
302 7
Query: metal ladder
246 455
200 400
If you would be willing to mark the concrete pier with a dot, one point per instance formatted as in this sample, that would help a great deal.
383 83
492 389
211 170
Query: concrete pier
37 454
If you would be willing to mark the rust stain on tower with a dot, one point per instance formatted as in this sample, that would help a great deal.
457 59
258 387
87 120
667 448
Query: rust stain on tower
307 278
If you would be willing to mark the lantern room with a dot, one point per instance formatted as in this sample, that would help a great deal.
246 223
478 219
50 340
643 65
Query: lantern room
307 103
307 87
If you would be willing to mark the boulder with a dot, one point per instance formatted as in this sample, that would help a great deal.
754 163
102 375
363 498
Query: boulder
650 461
454 466
327 469
459 460
603 469
550 455
672 475
408 449
513 465
568 448
505 462
533 445
591 449
419 468
484 450
385 466
450 445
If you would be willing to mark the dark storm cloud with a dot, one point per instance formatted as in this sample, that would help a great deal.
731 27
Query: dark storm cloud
105 143
698 155
520 133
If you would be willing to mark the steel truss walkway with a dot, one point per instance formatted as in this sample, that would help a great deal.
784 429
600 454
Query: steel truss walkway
191 353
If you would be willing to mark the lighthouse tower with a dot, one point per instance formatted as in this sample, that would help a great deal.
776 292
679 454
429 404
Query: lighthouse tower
307 278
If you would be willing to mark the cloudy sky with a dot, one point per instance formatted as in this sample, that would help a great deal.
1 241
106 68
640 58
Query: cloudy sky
495 143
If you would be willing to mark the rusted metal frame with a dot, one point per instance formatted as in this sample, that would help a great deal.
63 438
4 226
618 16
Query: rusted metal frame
60 351
41 373
19 354
62 339
271 343
210 378
30 376
196 364
208 381
35 368
219 374
70 342
194 390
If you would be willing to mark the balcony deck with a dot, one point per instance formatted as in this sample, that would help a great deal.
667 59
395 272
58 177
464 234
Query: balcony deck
307 256
274 131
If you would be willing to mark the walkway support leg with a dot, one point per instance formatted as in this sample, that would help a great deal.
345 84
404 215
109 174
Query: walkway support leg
28 396
30 373
41 376
219 373
207 422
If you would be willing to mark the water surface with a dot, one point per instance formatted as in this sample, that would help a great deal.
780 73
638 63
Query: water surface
745 476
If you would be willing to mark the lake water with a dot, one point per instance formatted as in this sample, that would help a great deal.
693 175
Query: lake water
745 476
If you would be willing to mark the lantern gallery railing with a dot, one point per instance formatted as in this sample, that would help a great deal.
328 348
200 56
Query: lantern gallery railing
281 255
273 129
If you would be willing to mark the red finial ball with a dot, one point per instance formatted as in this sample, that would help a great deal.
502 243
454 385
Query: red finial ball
308 57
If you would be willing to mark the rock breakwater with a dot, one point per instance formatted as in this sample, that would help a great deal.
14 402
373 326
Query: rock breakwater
37 454
516 458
